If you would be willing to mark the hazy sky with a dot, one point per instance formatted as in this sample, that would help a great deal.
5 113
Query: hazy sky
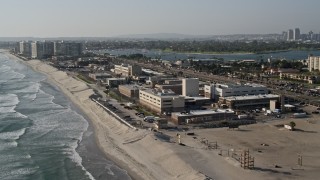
57 18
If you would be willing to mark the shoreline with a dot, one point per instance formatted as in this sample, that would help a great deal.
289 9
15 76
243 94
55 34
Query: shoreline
91 124
137 152
147 156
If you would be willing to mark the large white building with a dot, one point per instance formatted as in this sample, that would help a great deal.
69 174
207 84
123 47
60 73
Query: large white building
190 87
243 102
127 70
225 90
314 63
37 50
161 101
41 49
25 48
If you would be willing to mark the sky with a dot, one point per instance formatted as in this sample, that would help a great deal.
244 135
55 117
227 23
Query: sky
109 18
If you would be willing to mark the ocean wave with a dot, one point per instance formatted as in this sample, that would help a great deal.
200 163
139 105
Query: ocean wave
4 68
32 96
12 135
10 158
7 100
32 87
16 173
7 73
76 158
8 103
13 115
7 145
3 81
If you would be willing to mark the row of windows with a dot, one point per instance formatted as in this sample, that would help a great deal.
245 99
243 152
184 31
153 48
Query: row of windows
253 101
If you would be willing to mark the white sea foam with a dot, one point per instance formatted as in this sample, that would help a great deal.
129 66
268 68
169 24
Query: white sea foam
17 173
7 100
7 145
32 96
12 115
7 109
7 73
75 157
32 88
8 103
4 69
12 135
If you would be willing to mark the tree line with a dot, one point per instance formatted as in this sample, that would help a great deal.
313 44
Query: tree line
201 46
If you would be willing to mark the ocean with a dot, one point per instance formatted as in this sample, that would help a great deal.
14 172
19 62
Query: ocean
42 134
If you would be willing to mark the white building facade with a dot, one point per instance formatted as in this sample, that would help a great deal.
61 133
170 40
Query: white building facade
314 63
226 90
190 87
161 101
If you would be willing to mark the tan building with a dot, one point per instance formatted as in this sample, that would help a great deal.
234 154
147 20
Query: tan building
131 91
161 101
243 102
99 76
176 88
202 116
127 70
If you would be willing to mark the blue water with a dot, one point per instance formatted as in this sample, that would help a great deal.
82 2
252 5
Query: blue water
289 55
42 135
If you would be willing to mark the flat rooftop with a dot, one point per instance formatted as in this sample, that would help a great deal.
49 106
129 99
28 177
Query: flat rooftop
130 86
149 71
116 79
252 97
204 112
161 93
196 98
230 85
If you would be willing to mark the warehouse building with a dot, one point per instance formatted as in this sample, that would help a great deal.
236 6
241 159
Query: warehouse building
201 116
245 102
131 91
161 100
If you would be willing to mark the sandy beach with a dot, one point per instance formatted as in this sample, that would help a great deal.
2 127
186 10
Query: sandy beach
145 156
136 151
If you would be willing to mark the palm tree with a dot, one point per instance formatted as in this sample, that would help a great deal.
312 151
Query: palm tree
292 125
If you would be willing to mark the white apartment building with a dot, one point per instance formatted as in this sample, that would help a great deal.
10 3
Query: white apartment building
190 87
25 48
314 63
225 90
161 101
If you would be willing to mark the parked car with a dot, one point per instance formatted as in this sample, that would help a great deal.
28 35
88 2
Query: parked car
139 113
148 118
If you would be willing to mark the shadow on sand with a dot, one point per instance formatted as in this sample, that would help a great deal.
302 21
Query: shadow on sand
301 130
272 171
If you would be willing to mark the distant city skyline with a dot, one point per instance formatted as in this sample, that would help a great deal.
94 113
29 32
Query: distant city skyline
111 18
